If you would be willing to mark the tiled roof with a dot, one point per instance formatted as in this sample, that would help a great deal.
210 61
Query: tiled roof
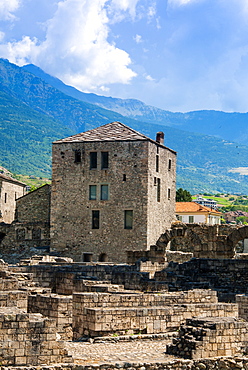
10 179
109 132
115 131
192 207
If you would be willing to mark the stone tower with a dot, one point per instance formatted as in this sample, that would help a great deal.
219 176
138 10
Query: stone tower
113 190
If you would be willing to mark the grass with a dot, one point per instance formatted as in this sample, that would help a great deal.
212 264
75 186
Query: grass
32 181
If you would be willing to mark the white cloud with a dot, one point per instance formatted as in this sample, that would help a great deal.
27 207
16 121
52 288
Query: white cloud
125 5
76 48
149 78
138 39
180 2
7 7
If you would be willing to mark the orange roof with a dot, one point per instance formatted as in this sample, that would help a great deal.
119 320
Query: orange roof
193 207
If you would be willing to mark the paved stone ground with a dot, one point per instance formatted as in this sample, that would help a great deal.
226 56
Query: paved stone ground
135 351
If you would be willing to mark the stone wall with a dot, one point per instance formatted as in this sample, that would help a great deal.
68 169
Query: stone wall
29 339
204 241
151 320
34 206
25 239
55 307
16 298
220 363
242 302
132 186
210 337
99 314
227 276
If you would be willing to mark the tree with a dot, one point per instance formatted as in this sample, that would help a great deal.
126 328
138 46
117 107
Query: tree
183 195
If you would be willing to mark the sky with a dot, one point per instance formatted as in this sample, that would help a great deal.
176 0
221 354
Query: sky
178 55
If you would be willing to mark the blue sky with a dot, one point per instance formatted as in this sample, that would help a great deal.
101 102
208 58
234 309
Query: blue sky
179 55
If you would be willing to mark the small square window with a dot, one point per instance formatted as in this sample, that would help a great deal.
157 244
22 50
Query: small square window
93 160
104 160
191 219
104 192
92 192
128 219
95 219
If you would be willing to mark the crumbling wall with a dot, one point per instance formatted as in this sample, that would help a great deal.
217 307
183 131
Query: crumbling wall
210 337
29 339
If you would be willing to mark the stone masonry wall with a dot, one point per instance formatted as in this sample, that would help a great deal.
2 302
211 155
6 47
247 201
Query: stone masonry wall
34 206
242 302
136 314
29 339
55 307
210 337
98 314
227 276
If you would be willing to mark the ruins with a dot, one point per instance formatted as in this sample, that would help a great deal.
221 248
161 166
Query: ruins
124 285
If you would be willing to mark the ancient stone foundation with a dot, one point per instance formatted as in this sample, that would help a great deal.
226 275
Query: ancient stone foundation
29 339
99 314
210 337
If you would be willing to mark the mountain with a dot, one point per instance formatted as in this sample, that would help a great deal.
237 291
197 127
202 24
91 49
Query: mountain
228 126
36 109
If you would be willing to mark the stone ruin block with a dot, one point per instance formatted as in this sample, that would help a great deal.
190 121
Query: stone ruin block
242 302
100 314
29 339
14 298
55 307
210 337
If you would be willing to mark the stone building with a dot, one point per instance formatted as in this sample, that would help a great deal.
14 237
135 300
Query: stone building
29 233
10 191
113 190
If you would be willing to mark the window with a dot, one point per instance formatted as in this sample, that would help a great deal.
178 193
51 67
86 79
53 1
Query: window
124 177
77 154
103 257
169 193
155 181
5 197
92 192
36 234
93 160
87 257
157 163
95 219
128 219
20 234
104 192
169 165
180 218
158 189
104 160
191 219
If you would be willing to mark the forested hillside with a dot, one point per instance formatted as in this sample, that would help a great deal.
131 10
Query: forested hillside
33 114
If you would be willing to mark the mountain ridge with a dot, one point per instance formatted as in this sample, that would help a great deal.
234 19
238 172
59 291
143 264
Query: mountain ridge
207 122
204 161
